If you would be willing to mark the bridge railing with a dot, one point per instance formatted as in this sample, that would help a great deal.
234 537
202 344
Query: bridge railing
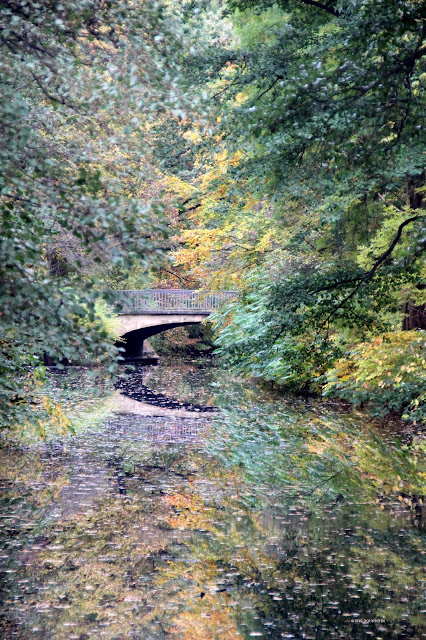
173 300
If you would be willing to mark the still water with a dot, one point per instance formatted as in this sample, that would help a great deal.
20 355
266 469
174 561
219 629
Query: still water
198 507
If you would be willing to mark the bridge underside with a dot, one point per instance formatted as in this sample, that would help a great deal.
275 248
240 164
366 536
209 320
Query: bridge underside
137 328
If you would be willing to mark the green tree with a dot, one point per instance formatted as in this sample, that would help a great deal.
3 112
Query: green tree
80 83
323 102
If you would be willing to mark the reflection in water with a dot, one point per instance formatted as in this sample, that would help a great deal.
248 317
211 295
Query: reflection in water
267 519
132 385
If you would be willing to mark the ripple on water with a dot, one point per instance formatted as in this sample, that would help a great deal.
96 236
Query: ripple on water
207 526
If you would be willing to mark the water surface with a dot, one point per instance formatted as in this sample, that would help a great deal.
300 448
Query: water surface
202 508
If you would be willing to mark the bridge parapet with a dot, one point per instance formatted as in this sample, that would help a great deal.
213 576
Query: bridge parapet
172 301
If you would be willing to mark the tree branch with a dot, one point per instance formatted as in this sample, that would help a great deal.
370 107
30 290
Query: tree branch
49 95
175 275
370 274
271 86
341 283
321 5
182 211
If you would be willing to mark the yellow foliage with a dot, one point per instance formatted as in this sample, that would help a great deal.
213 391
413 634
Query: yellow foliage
188 511
209 626
192 136
391 364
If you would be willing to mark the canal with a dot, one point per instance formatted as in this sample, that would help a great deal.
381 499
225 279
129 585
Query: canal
191 505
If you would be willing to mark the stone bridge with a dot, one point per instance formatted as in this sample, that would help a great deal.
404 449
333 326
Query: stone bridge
145 313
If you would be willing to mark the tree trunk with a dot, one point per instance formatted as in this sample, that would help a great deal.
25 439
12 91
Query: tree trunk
414 316
414 198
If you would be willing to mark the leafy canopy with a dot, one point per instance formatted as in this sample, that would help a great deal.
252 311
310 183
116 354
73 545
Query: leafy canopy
80 82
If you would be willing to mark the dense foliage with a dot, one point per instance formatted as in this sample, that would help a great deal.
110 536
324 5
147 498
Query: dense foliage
388 370
80 82
279 146
309 192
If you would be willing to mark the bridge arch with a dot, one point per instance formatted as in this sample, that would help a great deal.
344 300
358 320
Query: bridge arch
135 339
145 313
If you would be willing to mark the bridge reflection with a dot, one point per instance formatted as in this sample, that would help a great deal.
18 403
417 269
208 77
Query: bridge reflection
157 429
134 388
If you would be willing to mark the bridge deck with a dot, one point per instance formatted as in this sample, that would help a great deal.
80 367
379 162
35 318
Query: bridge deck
172 301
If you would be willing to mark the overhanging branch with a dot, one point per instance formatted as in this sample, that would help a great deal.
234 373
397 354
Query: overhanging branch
367 277
321 5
